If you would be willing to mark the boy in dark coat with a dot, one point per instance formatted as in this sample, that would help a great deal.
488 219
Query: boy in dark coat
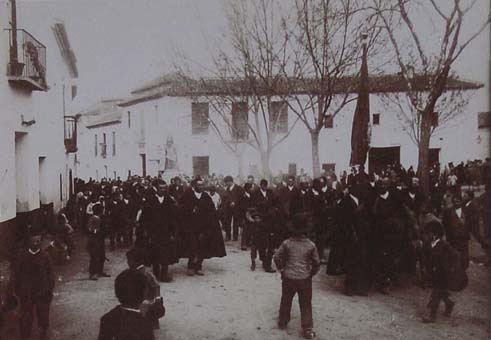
298 261
152 306
126 322
441 253
32 281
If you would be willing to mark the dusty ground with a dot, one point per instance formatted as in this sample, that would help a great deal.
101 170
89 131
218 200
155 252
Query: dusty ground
233 303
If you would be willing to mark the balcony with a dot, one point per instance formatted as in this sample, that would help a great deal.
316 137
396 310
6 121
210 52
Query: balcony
27 66
70 123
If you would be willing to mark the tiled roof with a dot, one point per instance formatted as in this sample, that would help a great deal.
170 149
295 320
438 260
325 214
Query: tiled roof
176 85
105 119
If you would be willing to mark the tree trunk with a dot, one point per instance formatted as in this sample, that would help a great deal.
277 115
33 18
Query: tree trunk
266 171
424 152
314 137
240 164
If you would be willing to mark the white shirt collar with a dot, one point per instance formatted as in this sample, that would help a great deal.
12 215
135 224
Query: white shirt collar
161 199
232 187
434 243
263 192
354 199
459 212
131 309
324 189
412 195
126 201
197 194
140 267
34 252
385 196
315 192
247 194
291 188
468 203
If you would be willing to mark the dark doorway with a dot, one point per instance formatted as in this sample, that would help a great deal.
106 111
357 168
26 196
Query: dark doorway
379 158
292 169
434 156
144 164
201 166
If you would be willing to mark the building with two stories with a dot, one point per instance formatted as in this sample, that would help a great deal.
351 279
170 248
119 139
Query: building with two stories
37 88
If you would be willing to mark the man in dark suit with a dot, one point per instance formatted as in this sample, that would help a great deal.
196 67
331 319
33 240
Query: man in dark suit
115 220
286 195
231 209
162 231
454 222
126 322
198 218
266 238
471 213
32 281
176 189
245 204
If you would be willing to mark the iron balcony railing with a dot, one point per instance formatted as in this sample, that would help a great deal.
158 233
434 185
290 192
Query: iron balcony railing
70 124
27 59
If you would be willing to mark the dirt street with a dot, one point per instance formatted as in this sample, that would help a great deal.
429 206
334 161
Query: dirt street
233 303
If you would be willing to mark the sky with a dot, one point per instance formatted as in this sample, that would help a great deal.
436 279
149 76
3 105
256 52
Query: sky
120 44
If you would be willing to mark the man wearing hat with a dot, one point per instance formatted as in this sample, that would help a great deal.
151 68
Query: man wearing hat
298 261
231 209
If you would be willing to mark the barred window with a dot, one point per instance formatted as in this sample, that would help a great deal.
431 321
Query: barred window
278 117
240 121
200 118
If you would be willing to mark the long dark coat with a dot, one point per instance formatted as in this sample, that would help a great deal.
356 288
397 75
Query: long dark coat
199 217
161 225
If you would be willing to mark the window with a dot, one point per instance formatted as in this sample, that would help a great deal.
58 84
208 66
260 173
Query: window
240 124
329 122
74 91
434 119
278 117
376 119
329 167
95 145
199 118
104 147
201 165
129 119
114 143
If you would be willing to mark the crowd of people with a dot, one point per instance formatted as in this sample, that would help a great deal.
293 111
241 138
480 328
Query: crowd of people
376 229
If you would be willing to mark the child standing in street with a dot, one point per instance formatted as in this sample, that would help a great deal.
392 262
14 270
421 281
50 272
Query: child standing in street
298 261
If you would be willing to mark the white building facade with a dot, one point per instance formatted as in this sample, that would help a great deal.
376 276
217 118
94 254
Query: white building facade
36 80
203 151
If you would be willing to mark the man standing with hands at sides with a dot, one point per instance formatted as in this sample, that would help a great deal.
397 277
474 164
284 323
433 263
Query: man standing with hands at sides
96 244
32 281
298 261
197 211
231 209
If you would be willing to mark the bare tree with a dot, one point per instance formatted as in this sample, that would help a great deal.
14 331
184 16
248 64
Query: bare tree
432 63
324 46
245 72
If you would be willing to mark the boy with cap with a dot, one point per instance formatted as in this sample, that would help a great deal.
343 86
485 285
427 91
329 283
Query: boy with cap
298 261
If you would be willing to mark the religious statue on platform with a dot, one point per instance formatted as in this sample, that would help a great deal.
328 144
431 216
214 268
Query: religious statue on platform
170 154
